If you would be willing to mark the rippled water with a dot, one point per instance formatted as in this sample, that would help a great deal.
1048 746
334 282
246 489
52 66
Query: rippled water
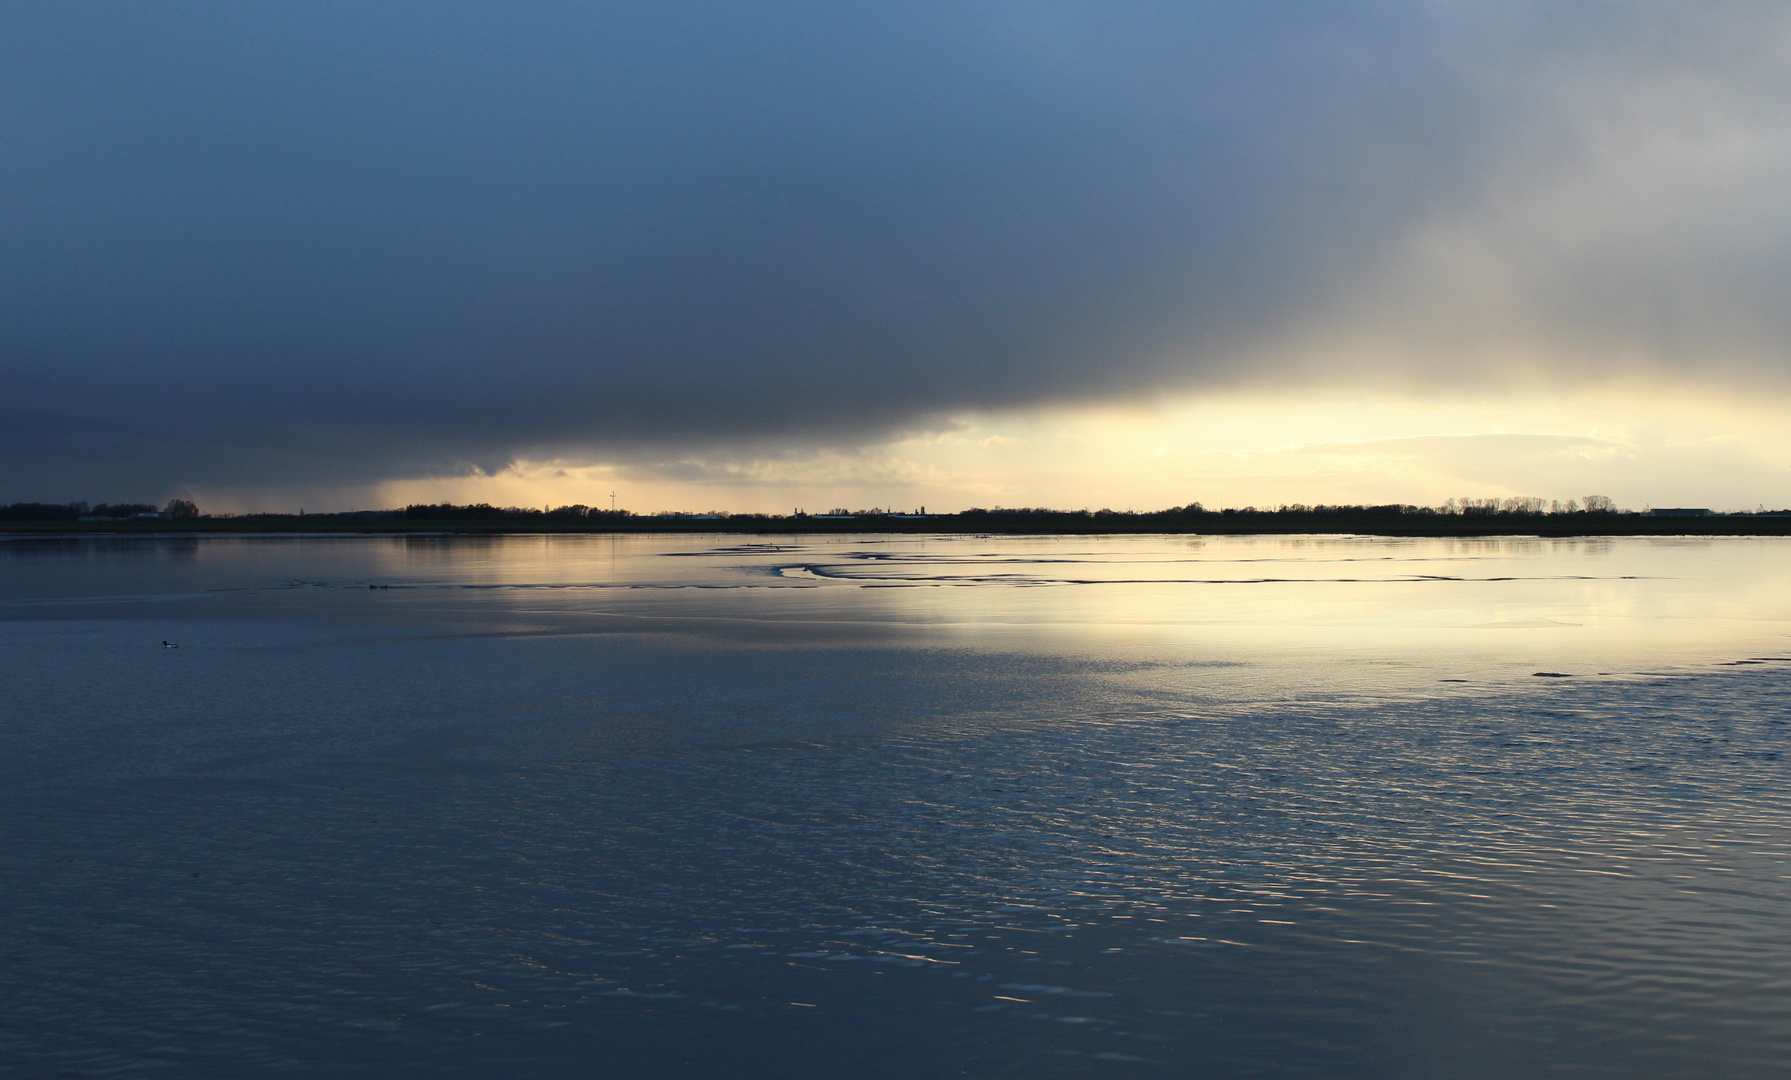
676 806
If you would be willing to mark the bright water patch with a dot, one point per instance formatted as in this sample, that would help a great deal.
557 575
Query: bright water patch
576 806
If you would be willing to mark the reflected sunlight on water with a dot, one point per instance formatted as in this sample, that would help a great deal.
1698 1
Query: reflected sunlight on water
895 806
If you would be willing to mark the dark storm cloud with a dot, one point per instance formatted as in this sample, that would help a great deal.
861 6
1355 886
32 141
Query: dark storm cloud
265 243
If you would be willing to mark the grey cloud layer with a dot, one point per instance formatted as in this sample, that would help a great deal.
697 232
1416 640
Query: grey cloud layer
268 243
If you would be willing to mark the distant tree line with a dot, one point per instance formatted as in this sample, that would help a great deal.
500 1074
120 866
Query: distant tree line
1520 506
178 509
1454 515
1467 507
486 511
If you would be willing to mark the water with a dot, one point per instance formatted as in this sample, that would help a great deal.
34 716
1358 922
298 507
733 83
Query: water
894 807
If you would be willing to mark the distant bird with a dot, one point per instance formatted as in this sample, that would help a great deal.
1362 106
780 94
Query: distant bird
169 645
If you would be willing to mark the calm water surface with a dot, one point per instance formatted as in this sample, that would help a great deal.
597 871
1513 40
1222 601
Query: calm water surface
895 807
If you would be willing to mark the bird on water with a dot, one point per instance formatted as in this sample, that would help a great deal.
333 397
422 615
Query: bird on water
169 645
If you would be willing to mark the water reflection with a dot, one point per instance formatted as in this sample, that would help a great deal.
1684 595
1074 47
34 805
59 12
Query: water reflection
1362 615
986 807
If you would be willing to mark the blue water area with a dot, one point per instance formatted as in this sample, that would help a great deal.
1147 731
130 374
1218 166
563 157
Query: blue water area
894 807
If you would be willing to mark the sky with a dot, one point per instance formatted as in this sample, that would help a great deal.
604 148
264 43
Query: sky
723 256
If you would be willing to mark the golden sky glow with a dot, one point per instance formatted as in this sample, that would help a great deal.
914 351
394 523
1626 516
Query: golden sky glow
947 256
1662 445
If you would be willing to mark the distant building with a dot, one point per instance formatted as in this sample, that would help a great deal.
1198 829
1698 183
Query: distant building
1681 511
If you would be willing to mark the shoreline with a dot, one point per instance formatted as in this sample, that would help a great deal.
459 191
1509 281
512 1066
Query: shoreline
1215 524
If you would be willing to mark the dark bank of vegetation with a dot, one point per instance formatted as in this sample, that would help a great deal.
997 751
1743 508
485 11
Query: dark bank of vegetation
175 510
1595 516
